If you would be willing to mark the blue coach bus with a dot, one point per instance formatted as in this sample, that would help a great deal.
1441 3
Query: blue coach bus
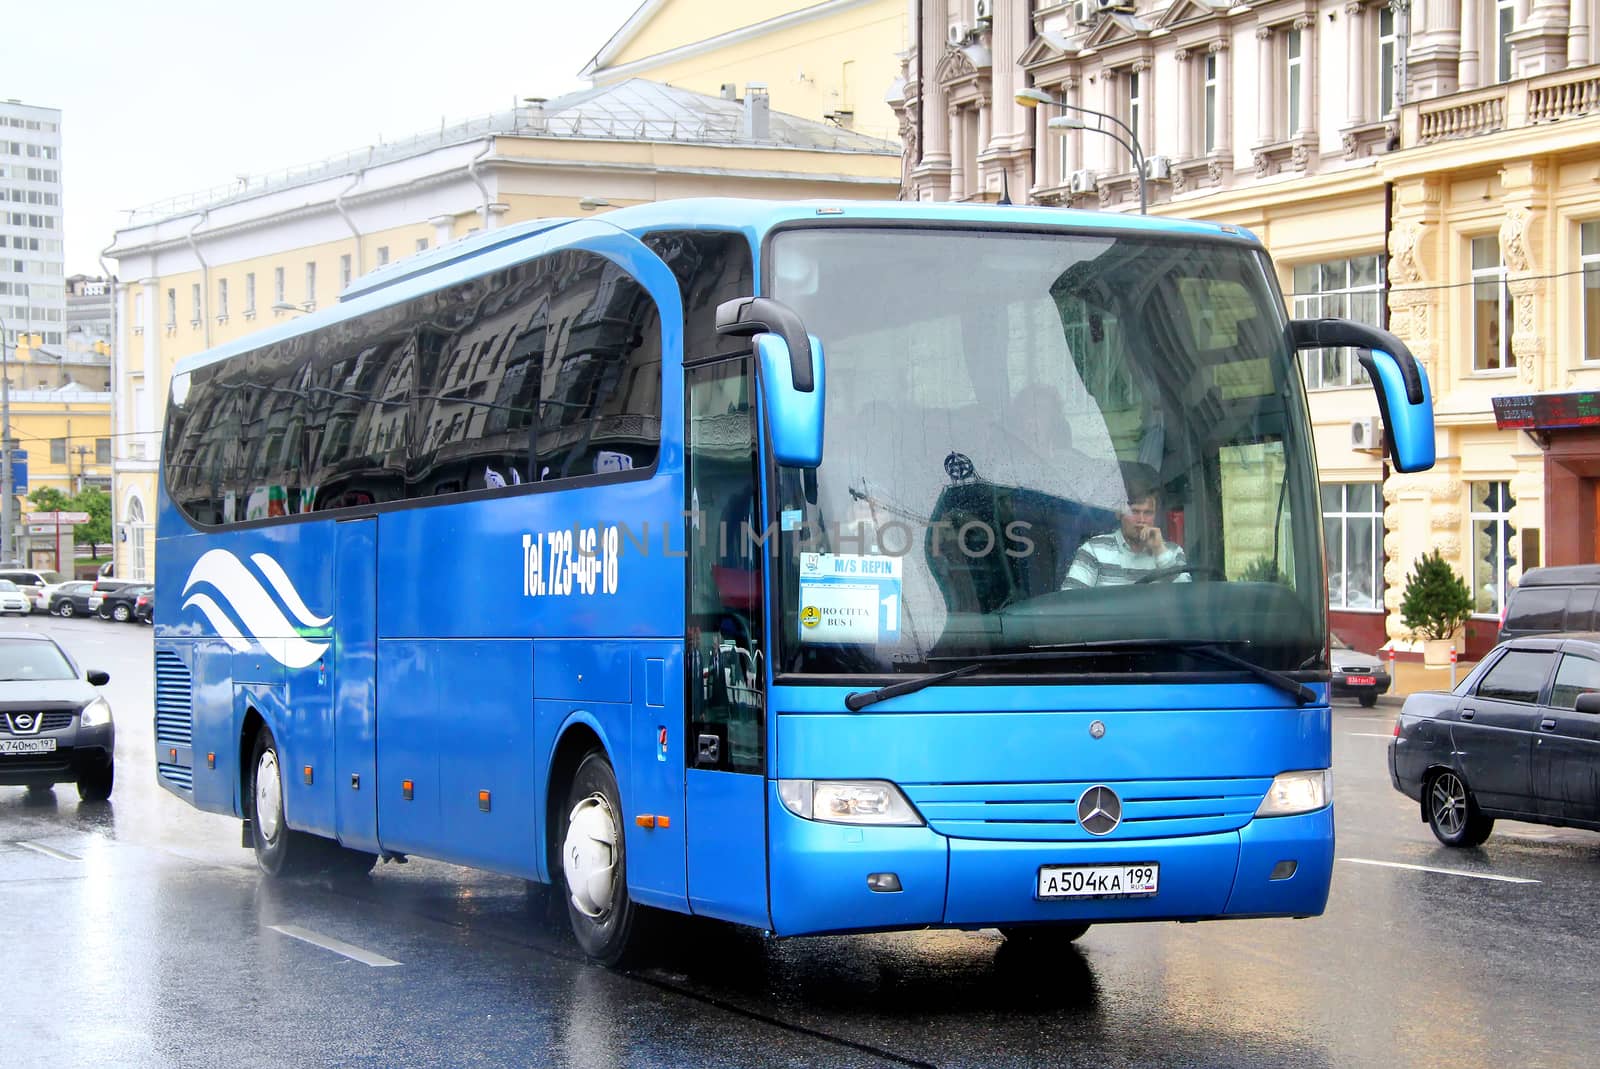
817 567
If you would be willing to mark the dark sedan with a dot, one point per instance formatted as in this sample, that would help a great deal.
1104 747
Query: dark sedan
1518 739
71 599
54 726
1357 675
122 604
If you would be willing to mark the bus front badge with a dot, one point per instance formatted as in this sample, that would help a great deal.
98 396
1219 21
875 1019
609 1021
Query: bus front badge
1097 730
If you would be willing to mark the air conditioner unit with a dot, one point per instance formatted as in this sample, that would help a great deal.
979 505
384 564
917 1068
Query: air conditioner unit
1158 169
982 10
958 34
1082 182
1366 435
1085 11
1124 6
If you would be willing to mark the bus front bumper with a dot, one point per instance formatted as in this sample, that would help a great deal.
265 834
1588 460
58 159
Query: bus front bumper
820 876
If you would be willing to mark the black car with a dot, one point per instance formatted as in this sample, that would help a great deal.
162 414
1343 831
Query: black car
122 604
144 607
71 599
1518 739
54 726
1553 600
1356 675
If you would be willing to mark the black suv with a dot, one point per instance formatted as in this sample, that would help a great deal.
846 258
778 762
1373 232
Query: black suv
1552 600
54 725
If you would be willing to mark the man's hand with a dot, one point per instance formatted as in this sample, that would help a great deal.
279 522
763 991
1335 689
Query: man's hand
1150 540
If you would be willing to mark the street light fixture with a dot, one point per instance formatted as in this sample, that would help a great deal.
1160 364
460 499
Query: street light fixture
1032 97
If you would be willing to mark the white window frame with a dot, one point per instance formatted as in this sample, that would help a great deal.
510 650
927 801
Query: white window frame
278 286
1210 94
250 293
1505 24
1589 281
1293 71
1505 535
1388 66
311 283
1343 515
1317 303
1496 275
222 300
344 270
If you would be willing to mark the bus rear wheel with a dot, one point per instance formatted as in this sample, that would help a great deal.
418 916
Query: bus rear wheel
281 851
594 864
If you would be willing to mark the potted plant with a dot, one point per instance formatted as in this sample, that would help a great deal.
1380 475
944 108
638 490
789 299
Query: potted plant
1434 606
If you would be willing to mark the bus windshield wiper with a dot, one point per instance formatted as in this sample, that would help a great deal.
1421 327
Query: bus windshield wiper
858 700
1199 647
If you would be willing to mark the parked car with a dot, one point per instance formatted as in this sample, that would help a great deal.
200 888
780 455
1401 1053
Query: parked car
38 585
13 599
1357 675
120 604
1518 739
102 588
1553 600
144 607
54 726
71 599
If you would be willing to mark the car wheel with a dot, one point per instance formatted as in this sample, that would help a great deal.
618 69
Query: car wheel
66 609
95 784
121 613
594 865
1367 700
1042 935
1453 812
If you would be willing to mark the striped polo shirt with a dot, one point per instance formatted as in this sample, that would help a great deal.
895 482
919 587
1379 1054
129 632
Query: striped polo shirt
1108 560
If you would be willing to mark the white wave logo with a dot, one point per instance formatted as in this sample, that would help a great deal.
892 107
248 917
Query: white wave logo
264 624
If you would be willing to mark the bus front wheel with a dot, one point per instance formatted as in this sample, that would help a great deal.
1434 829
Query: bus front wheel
594 864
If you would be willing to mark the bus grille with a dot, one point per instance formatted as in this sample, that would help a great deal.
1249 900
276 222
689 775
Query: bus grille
177 775
1048 812
174 701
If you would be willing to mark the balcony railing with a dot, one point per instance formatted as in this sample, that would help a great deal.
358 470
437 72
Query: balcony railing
1510 106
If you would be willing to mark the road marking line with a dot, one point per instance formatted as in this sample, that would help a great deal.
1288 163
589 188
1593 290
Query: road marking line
1444 872
47 851
1370 734
338 946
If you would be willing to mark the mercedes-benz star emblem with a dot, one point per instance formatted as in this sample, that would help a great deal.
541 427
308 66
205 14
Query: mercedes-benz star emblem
1099 810
1097 730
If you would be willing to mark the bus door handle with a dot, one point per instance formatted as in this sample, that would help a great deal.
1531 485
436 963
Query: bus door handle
1467 714
708 751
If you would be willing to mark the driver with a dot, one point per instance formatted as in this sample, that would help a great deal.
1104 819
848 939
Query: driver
1135 549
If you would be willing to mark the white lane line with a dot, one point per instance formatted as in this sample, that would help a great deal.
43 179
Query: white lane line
1443 872
338 946
47 851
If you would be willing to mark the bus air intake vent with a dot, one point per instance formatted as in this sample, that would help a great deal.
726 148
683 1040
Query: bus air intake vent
174 701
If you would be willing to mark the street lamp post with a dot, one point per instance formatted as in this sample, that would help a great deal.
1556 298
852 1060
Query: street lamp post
5 447
1032 97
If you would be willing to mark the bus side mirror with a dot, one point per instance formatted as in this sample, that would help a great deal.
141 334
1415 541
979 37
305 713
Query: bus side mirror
1399 381
794 417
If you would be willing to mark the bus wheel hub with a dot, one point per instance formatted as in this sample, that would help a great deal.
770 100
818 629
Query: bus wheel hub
589 855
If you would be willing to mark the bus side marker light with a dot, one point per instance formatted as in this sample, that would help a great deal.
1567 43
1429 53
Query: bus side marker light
308 775
405 789
650 820
483 801
211 760
883 882
173 753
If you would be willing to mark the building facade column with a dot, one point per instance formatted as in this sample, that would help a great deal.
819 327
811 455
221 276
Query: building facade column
1224 142
1308 76
1578 27
958 153
1471 48
1189 97
1266 87
1356 47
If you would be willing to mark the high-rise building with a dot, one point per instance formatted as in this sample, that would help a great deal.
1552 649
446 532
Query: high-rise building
33 296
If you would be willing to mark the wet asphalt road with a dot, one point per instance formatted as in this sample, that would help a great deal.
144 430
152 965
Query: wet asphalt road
139 933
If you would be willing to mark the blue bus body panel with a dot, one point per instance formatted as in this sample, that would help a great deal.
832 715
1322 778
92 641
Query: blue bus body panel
355 681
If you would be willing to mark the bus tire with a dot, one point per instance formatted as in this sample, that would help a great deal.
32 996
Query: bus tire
1044 934
594 865
280 851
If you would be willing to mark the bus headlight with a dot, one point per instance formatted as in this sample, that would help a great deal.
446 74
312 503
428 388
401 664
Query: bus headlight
94 714
848 801
1297 792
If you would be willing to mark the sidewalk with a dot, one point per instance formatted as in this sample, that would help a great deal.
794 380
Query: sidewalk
1412 676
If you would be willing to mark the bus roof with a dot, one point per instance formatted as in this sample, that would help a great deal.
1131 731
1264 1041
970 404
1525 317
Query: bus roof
454 262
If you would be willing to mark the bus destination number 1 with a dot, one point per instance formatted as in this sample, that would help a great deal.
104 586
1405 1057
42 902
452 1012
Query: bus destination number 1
579 558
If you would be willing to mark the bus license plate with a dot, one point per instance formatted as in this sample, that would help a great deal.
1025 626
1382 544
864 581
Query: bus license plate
1360 681
27 745
1098 881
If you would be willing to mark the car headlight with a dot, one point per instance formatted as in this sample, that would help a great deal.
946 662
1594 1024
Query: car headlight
1297 792
848 801
96 713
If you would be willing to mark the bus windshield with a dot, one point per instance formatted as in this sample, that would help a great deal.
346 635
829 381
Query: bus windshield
1041 440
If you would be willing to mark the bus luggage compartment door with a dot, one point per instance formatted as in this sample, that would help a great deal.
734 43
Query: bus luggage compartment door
355 690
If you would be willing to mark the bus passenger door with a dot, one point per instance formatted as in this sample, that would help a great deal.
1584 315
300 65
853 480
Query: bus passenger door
355 643
726 731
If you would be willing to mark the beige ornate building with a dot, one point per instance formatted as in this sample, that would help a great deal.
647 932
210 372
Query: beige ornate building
1433 167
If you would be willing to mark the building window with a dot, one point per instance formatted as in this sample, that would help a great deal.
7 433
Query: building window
194 298
277 285
1135 104
1208 117
1352 531
102 450
1346 289
1292 108
344 271
1491 308
422 244
58 450
1493 546
311 283
1589 257
383 255
222 299
1505 16
250 293
172 307
1386 61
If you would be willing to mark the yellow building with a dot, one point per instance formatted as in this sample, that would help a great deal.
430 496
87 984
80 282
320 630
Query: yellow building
839 60
205 269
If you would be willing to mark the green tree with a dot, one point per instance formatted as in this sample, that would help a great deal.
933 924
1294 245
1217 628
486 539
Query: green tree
97 503
1436 602
49 499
